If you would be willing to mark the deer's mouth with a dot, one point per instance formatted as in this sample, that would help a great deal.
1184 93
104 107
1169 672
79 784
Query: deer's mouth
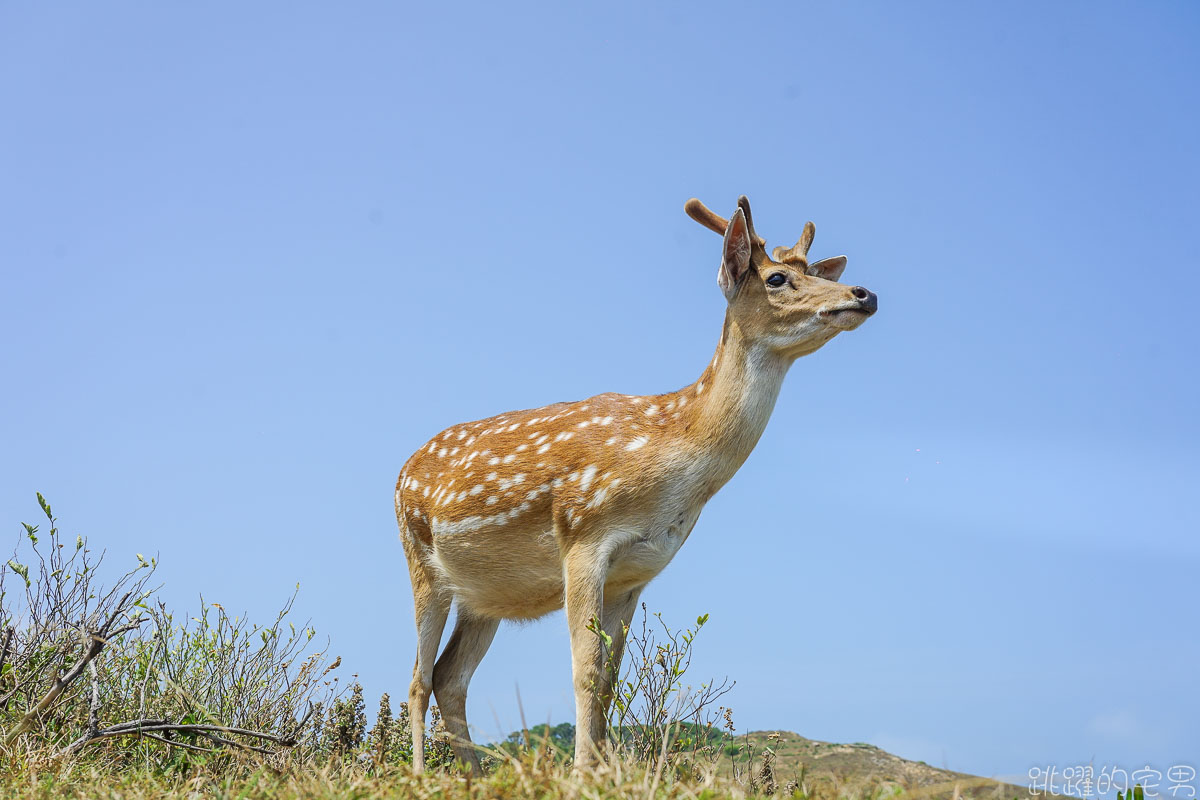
847 318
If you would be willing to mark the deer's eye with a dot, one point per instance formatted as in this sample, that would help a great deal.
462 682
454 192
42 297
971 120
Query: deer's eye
777 279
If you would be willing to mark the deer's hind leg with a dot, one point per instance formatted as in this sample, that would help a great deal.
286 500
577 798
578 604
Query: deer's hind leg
432 607
452 674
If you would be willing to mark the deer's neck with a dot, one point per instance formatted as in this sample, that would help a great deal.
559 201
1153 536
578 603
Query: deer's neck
732 402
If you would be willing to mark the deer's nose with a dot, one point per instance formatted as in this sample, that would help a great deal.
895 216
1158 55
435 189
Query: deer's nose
866 298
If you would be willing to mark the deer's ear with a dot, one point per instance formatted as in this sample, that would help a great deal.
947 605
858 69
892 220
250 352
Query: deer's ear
735 254
828 268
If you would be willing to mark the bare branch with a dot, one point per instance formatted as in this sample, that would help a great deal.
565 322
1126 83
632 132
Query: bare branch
147 727
96 643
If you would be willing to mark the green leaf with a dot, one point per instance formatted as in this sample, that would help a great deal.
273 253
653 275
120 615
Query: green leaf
31 532
141 560
45 507
78 543
20 569
700 620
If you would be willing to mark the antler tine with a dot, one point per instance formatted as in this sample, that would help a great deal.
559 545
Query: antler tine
706 216
714 221
798 251
806 238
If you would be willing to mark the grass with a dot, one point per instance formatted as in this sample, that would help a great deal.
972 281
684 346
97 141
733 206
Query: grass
105 693
524 778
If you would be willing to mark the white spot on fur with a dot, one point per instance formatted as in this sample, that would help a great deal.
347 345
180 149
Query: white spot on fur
491 501
543 448
491 476
611 441
508 459
651 410
477 488
494 460
606 421
598 498
585 480
699 388
638 442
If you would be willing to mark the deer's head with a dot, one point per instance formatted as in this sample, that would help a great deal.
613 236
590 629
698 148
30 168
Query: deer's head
782 301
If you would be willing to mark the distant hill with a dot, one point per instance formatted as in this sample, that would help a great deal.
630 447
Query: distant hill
821 769
828 769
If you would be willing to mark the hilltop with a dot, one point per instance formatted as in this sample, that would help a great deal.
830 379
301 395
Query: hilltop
851 768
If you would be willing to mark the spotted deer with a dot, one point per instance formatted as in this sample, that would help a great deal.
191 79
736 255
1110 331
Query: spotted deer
582 504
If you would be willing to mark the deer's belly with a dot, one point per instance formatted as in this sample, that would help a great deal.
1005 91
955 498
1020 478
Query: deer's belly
508 574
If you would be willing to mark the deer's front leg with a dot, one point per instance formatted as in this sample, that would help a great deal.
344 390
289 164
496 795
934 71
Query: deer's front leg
619 608
584 572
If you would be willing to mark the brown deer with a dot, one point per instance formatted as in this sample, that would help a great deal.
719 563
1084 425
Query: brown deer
582 504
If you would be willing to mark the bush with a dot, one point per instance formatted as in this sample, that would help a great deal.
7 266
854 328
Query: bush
108 670
654 712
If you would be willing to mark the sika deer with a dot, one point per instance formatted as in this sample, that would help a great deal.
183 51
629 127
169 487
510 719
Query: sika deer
582 504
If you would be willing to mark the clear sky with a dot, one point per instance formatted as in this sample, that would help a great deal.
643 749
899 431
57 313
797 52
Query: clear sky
252 256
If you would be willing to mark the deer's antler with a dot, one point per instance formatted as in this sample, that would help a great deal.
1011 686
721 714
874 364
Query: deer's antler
798 251
715 222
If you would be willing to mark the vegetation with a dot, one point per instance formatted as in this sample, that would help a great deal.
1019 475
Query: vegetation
105 693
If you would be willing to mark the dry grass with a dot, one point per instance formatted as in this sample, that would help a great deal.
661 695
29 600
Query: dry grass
104 693
528 777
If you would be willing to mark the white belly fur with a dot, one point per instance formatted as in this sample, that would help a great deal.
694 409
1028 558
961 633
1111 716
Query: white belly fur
516 581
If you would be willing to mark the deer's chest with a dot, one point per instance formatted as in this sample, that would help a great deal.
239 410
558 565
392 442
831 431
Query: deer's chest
641 554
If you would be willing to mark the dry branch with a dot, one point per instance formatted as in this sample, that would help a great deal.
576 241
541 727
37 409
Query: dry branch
95 643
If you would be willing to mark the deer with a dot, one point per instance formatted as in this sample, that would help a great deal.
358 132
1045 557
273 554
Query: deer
579 505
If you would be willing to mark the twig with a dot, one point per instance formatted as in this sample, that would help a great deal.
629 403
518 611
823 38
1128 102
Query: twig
144 727
184 745
303 721
234 743
96 642
8 634
94 705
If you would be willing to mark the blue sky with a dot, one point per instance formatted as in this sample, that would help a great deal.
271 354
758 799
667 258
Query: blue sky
251 258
